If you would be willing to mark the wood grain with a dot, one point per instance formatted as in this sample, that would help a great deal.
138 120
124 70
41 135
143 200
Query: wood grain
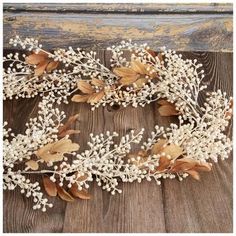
129 8
182 207
179 27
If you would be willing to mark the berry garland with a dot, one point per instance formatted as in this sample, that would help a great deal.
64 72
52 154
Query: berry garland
46 148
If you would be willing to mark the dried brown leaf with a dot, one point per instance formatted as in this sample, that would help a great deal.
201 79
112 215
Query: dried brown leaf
164 163
82 194
140 82
194 174
33 165
64 146
53 152
96 97
64 195
68 132
98 82
163 102
80 98
168 110
40 68
52 65
173 150
158 147
181 165
138 67
85 87
64 129
49 186
128 80
203 167
35 59
124 72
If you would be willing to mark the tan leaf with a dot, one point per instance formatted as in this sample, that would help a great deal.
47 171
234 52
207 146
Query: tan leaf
183 165
124 72
98 82
68 132
164 163
33 165
128 80
194 174
168 110
82 194
64 195
173 150
96 97
63 130
49 186
80 98
203 167
163 102
158 147
64 146
85 87
140 82
52 66
53 152
35 59
81 177
138 67
41 68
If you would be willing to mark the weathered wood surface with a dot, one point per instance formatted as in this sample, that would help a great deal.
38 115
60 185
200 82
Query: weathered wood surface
180 27
122 8
187 206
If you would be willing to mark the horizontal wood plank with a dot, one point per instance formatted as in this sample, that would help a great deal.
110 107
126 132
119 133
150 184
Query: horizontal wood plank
182 207
130 8
195 32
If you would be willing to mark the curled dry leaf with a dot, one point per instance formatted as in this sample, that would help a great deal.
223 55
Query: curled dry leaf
64 195
194 174
42 62
49 186
33 165
64 129
53 152
85 87
167 109
82 194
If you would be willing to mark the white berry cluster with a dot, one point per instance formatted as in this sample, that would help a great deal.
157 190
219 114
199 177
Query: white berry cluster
178 79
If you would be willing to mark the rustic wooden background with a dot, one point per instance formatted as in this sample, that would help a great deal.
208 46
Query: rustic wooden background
188 27
188 206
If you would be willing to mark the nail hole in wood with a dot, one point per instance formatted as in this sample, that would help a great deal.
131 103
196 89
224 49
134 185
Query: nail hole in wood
115 107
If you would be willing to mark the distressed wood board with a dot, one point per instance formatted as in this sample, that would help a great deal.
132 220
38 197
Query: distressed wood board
122 8
183 207
190 27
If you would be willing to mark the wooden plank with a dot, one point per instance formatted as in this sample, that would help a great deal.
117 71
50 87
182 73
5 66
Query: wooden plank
189 206
140 8
195 32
